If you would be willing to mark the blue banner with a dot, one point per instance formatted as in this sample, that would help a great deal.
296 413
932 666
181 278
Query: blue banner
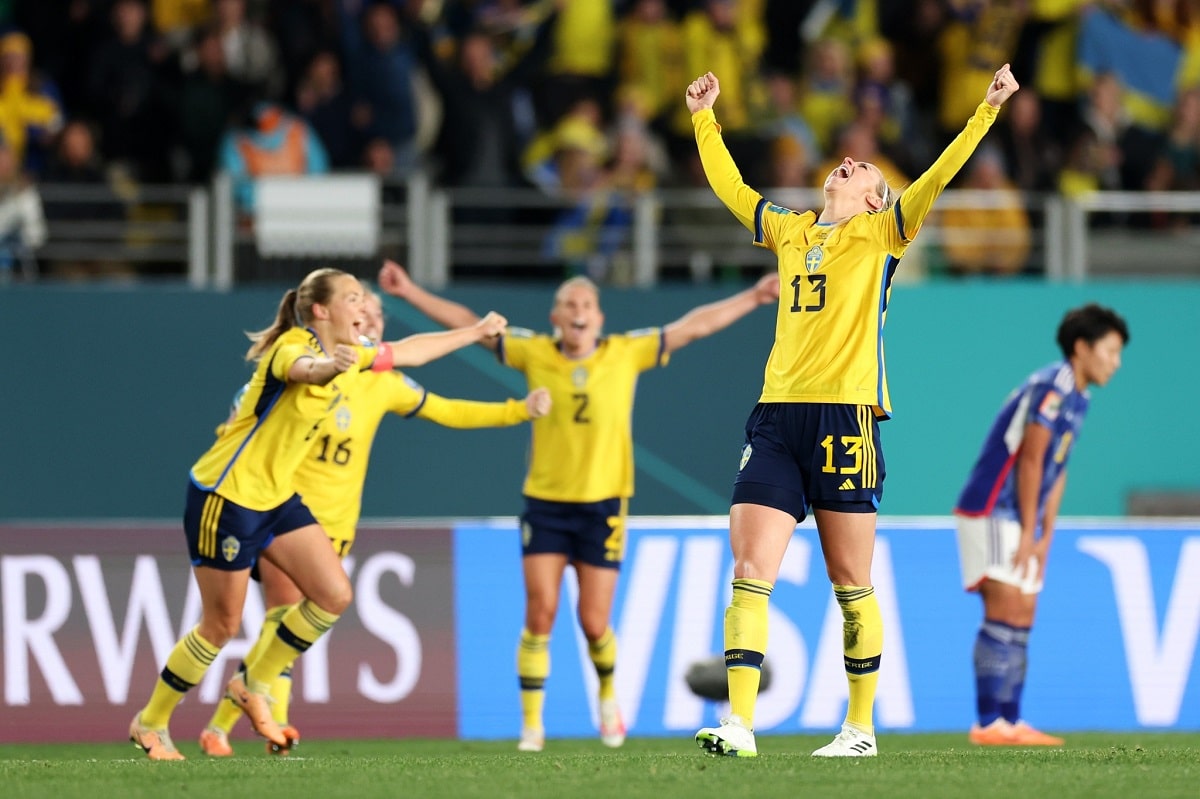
1113 647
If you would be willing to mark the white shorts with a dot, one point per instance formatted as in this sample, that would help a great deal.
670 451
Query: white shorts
986 546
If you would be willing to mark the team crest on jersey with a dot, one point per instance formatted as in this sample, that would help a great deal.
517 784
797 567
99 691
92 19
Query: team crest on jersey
746 452
230 548
579 377
342 418
813 258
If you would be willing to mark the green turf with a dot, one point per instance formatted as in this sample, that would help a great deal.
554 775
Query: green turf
1092 766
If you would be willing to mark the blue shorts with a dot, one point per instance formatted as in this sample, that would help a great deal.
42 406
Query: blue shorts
802 455
226 536
589 532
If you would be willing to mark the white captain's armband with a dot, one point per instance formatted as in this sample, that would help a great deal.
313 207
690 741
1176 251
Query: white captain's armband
519 332
643 331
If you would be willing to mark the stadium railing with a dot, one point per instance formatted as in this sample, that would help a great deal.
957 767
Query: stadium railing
444 235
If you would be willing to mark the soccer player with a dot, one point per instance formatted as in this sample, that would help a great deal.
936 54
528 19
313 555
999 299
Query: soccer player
1014 491
813 439
331 479
242 503
581 470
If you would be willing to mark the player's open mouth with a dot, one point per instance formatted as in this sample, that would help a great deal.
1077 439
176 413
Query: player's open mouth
579 325
842 171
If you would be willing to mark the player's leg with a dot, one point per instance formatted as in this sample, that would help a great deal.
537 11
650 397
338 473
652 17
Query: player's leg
280 594
222 595
848 543
767 503
302 552
543 573
597 558
1016 608
846 486
223 540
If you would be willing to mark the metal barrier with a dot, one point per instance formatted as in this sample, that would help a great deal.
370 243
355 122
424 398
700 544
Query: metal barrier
444 235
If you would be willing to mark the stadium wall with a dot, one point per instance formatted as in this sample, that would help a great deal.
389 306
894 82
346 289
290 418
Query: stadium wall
112 393
88 613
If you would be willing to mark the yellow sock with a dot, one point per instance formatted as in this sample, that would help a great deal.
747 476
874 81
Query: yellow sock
604 657
185 667
746 644
226 716
533 667
862 643
281 697
299 628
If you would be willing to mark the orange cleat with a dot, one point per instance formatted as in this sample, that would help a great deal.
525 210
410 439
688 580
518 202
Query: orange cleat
1028 736
157 744
293 736
998 733
257 707
215 743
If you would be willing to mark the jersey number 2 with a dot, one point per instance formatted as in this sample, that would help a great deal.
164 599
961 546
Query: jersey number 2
817 282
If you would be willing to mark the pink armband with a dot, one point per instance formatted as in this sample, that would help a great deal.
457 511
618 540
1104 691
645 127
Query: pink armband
384 358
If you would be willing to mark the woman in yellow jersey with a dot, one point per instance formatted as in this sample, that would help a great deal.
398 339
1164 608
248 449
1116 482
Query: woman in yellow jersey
576 515
331 478
242 502
813 439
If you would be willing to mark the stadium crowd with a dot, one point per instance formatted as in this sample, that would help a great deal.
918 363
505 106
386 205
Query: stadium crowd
583 98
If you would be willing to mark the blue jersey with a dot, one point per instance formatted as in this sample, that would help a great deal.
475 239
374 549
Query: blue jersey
1048 397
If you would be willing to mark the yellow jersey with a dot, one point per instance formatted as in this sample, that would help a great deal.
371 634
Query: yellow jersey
835 280
255 457
330 479
582 451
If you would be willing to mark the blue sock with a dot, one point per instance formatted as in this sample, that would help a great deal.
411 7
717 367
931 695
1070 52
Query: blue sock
992 646
1010 703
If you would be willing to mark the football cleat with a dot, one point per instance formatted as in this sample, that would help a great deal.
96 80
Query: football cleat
850 742
998 733
293 736
157 744
733 739
1024 735
531 740
612 726
257 707
215 743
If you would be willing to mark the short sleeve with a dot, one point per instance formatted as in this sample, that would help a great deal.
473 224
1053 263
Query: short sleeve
646 347
1045 403
515 346
285 358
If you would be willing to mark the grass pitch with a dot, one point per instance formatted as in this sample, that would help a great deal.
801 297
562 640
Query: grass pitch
1092 766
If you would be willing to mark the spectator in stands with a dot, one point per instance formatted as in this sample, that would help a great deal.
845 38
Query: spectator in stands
783 119
22 225
1031 156
30 114
885 103
651 56
978 35
1178 167
208 101
322 99
790 165
826 96
478 144
711 42
994 238
577 132
380 67
274 142
250 53
76 161
302 29
1104 118
178 20
581 60
126 95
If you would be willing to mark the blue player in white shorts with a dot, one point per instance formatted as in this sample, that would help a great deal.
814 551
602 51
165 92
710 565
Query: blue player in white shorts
1013 494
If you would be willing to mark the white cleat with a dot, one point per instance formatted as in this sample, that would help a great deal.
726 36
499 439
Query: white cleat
531 740
733 739
850 742
612 726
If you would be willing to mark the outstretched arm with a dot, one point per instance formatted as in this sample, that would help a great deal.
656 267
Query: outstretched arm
719 168
421 348
468 414
715 316
394 280
917 201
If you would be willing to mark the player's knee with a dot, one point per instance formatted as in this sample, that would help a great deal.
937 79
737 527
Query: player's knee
593 625
336 596
218 628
